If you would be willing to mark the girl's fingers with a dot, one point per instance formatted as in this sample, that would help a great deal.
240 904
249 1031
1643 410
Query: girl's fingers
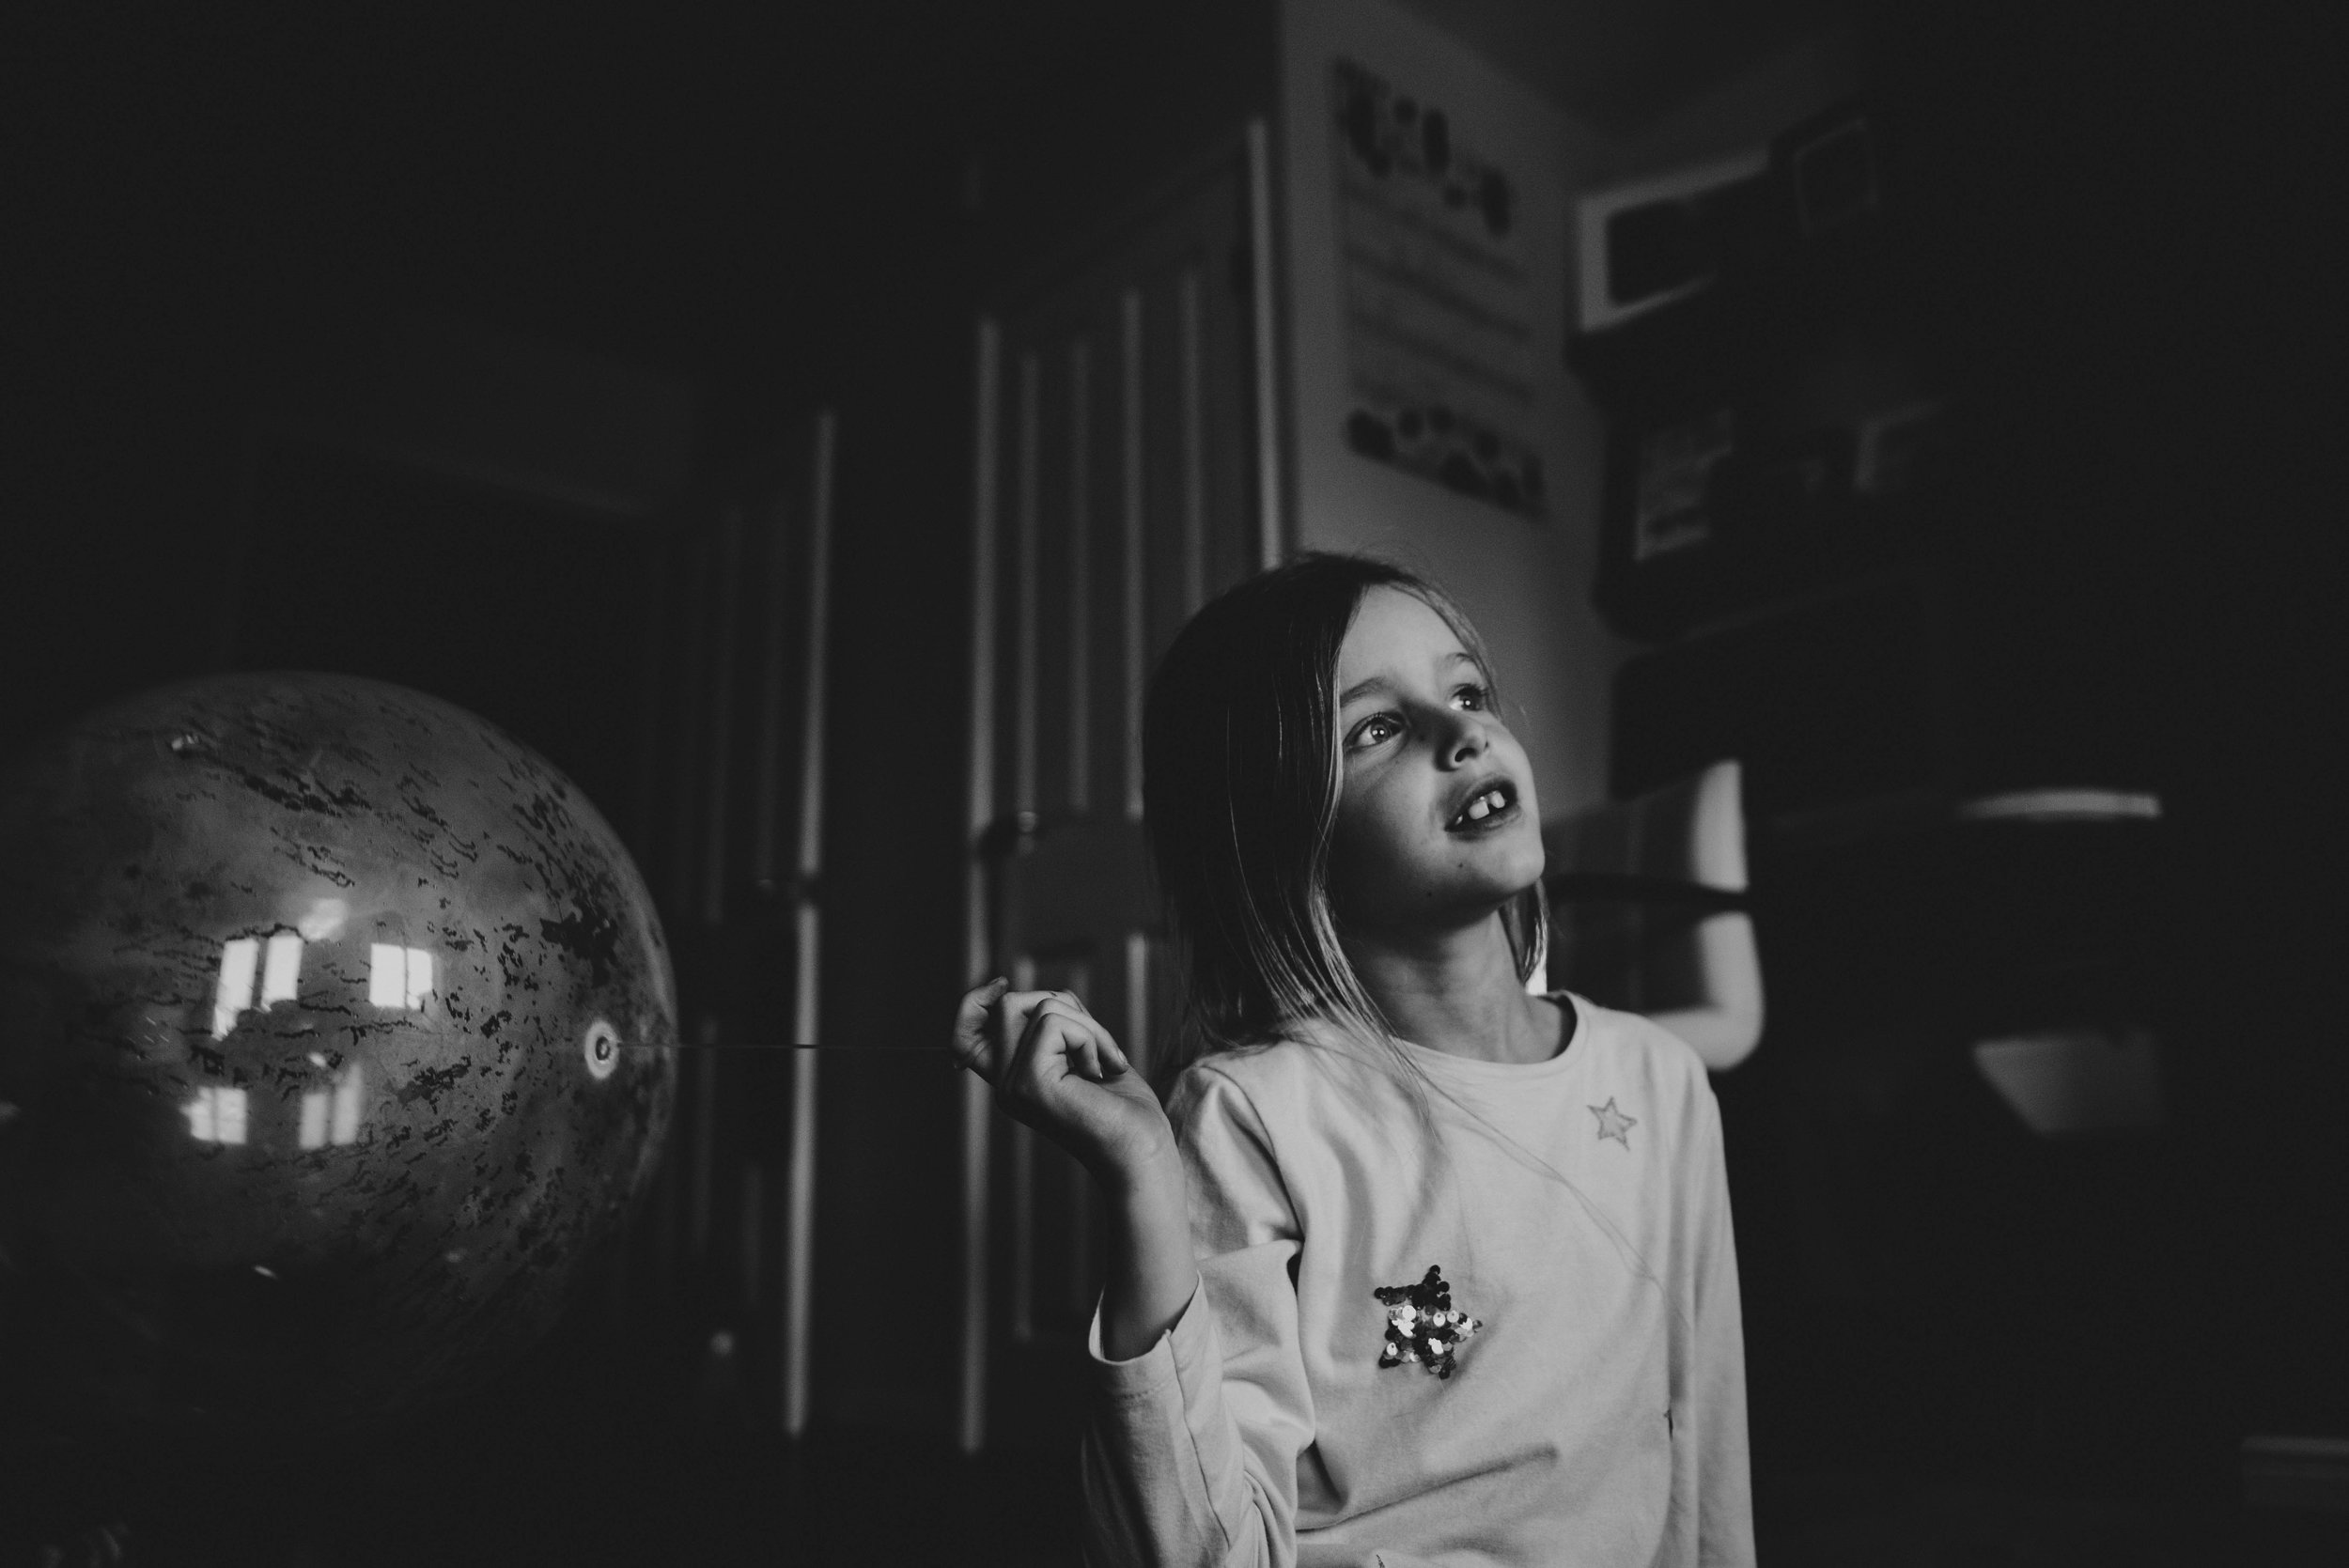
1101 1058
1023 1042
1054 1005
1101 1064
1024 1028
970 1027
1060 1018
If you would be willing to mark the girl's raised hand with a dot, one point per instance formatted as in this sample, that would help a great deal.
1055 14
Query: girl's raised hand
1055 1068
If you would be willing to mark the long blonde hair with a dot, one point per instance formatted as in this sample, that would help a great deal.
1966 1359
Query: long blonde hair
1241 777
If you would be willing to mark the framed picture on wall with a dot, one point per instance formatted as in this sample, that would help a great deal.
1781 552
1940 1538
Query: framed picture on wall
1440 295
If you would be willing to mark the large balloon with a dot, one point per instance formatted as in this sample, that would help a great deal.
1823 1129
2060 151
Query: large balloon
335 1029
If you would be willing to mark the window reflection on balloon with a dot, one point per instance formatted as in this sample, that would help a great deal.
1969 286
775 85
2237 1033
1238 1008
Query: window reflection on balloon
239 957
342 1103
398 976
216 1115
281 974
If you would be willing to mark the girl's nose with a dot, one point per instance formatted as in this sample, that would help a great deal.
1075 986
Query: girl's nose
1467 740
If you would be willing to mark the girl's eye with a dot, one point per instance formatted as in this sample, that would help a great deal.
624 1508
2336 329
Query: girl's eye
1371 731
1473 696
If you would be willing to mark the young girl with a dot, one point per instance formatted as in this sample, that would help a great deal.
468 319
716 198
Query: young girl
1416 1266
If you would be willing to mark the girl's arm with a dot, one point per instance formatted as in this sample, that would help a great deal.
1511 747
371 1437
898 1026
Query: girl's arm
1190 1447
1054 1067
1151 1273
1196 1424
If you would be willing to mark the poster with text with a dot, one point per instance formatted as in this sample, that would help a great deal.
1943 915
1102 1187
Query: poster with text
1439 297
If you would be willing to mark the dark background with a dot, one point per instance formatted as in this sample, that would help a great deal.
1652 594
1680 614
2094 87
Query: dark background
2139 223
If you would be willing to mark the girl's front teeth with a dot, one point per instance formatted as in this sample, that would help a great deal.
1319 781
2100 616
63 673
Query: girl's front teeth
1485 804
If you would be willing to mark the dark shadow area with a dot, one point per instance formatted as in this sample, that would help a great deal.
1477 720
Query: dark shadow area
534 619
588 1453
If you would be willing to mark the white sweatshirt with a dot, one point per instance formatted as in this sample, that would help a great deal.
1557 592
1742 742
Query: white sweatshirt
1596 1414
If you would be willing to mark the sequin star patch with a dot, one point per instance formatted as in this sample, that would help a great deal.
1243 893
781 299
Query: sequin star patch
1422 1325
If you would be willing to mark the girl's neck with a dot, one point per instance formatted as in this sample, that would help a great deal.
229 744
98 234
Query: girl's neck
1456 991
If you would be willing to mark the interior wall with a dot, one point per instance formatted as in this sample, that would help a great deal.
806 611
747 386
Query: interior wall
1525 582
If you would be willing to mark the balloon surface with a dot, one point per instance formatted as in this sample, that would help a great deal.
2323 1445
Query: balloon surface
337 1028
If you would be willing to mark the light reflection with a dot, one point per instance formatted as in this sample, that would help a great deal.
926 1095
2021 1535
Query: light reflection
387 975
239 957
281 975
2062 806
342 1104
398 976
345 1128
216 1115
324 922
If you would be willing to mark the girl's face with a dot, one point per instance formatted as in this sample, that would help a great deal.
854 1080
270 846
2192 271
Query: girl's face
1438 824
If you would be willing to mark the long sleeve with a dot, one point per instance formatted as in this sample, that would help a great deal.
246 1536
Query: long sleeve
1191 1448
1715 1386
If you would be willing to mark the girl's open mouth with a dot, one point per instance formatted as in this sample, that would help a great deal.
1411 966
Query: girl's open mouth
1493 802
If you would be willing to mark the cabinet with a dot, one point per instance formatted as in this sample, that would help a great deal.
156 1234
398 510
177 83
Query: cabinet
1860 557
1783 403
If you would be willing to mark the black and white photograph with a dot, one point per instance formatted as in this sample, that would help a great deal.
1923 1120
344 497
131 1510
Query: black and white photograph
1269 783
